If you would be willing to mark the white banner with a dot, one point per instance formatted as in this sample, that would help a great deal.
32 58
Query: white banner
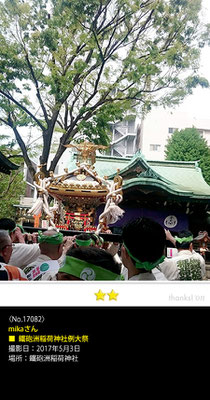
104 294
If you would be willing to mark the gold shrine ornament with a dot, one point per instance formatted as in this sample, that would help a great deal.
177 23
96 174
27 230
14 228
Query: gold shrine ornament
86 150
81 177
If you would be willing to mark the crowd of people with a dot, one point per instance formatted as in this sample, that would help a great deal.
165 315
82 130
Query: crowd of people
50 256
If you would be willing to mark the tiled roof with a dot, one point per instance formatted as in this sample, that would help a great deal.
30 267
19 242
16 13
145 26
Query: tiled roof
179 178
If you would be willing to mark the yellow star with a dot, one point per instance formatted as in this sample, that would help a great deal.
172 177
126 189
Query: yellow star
112 295
100 295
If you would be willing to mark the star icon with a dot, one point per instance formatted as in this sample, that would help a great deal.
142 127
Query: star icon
113 295
100 295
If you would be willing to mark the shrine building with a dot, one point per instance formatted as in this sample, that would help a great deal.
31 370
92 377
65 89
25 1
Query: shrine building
174 193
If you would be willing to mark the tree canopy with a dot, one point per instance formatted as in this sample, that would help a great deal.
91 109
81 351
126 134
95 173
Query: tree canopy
72 66
188 145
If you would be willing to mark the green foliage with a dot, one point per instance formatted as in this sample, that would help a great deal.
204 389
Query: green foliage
11 186
185 145
98 127
188 145
10 196
81 64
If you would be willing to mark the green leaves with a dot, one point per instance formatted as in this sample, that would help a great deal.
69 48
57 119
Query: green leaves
13 185
194 81
82 64
49 38
10 193
98 127
185 145
188 145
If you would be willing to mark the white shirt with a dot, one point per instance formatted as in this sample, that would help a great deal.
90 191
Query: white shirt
159 276
155 275
24 254
145 276
186 265
40 266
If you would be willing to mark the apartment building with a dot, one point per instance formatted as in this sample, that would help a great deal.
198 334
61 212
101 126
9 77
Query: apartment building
151 134
160 124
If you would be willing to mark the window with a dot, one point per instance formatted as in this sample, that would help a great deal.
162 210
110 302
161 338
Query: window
155 147
131 126
204 132
201 132
172 130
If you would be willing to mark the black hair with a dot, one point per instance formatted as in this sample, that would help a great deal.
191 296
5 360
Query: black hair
145 239
7 224
83 236
4 238
184 234
96 256
94 237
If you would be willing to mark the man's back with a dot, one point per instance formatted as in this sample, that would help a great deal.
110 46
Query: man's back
40 266
186 265
24 254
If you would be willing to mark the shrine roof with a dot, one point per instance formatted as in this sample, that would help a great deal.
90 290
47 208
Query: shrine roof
108 165
178 178
182 178
104 165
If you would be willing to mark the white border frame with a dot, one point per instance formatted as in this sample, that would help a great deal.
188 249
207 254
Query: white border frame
83 294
